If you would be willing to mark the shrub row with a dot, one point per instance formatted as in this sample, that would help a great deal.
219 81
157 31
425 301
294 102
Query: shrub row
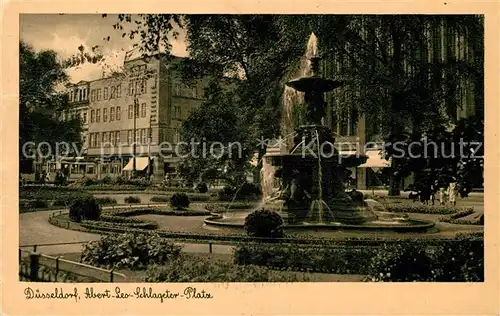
61 196
224 207
459 260
156 211
32 205
338 260
106 201
206 270
423 209
302 240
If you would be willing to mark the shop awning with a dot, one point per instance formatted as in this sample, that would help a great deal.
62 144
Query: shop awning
141 163
375 160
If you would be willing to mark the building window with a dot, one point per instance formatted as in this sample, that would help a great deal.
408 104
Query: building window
98 140
97 116
85 94
112 114
131 88
91 140
85 118
144 84
70 96
105 115
129 137
92 116
118 91
92 95
112 94
178 89
117 138
143 110
118 114
176 136
130 112
98 94
104 138
105 93
145 136
137 137
136 110
177 112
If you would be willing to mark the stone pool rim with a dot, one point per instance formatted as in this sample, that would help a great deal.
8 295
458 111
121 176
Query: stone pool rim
417 225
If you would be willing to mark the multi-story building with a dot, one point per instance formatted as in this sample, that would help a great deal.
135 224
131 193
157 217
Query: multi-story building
145 104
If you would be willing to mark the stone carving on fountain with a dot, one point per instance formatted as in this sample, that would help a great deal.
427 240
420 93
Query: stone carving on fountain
311 173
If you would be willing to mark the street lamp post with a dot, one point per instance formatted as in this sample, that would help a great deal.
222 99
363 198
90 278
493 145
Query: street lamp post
134 166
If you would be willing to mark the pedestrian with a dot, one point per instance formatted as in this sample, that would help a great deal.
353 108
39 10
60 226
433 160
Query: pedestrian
441 195
452 194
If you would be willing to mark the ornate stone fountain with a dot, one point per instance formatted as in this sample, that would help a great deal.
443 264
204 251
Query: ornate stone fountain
312 172
311 191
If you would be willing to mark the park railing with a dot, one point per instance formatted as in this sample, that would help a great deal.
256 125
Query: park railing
37 267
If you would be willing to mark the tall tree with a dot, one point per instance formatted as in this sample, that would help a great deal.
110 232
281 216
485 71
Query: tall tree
40 74
397 65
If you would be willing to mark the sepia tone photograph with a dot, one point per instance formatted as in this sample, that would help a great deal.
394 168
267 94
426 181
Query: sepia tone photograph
250 148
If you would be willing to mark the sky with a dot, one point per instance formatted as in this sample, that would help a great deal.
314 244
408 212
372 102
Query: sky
63 33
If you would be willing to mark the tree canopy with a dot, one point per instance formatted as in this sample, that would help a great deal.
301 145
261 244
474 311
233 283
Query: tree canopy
40 74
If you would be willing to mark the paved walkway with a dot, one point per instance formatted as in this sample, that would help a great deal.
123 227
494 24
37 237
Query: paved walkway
35 229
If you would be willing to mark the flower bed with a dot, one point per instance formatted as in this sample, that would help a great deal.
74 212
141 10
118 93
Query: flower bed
120 225
457 218
460 259
186 269
155 211
224 207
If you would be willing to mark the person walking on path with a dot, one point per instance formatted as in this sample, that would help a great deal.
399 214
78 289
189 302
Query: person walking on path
441 196
452 194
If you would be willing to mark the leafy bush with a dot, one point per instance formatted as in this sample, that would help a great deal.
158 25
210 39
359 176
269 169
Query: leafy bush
264 223
461 260
84 209
402 262
131 251
105 201
202 187
160 199
132 199
226 194
179 201
249 190
205 270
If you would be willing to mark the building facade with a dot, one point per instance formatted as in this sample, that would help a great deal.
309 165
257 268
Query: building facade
135 113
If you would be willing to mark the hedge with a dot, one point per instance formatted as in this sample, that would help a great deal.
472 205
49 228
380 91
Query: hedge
461 259
423 209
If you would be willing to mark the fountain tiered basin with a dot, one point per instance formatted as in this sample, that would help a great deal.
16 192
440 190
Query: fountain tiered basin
313 172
